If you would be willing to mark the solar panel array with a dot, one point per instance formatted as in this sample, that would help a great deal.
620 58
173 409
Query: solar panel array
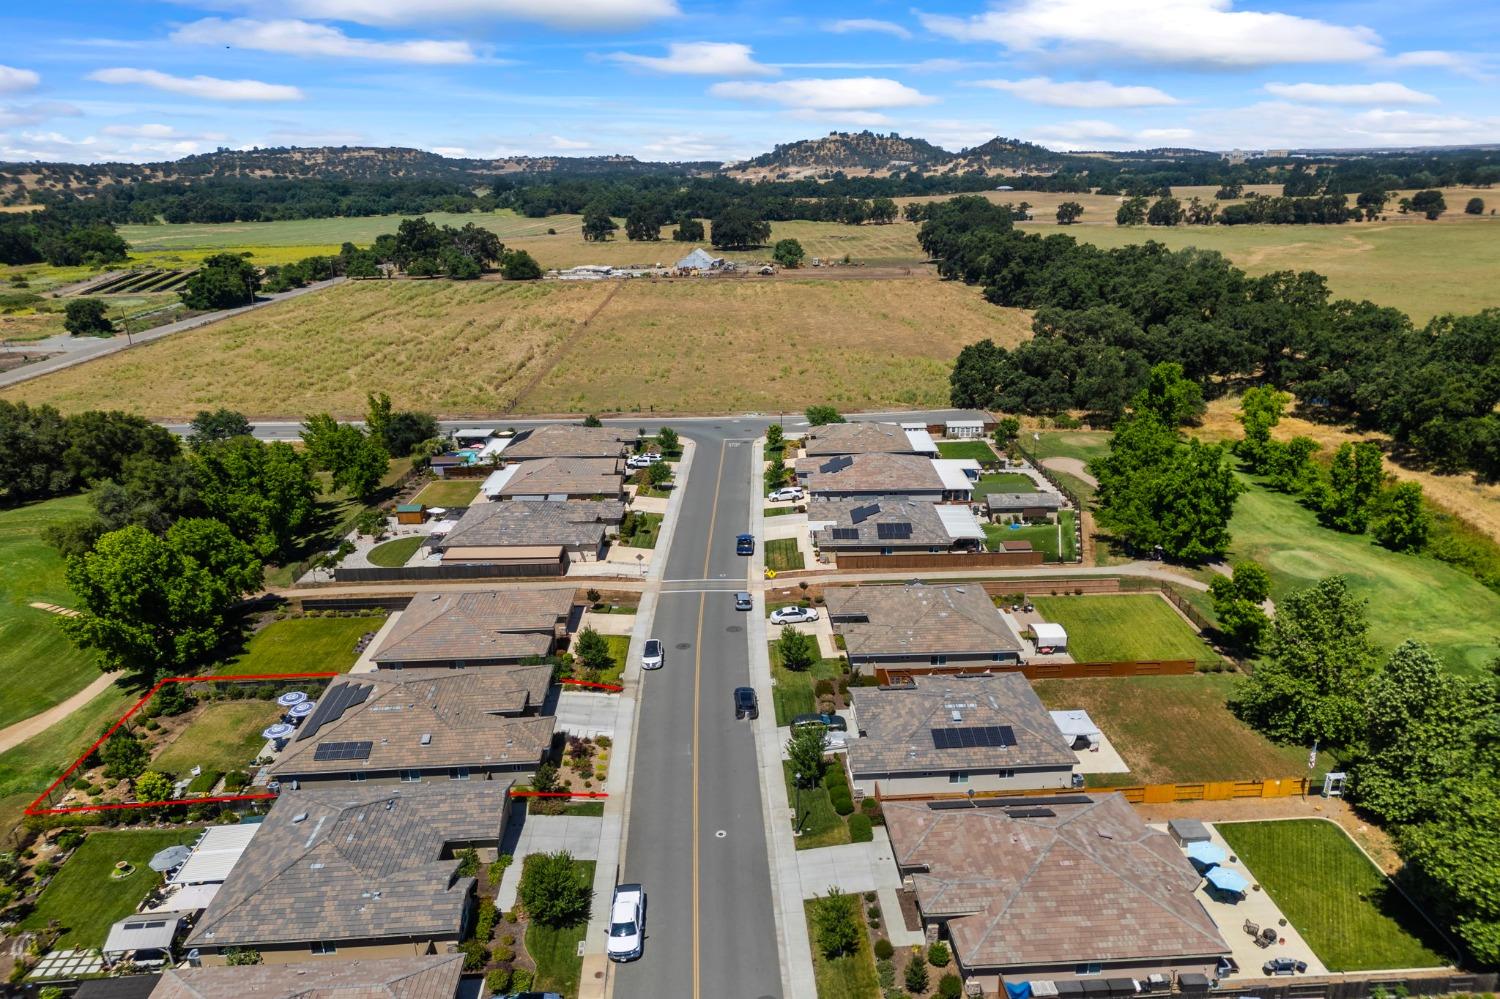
901 530
846 534
339 698
860 514
836 464
978 736
343 751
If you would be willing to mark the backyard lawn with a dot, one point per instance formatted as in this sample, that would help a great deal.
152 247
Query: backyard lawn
27 769
333 518
851 976
555 950
782 555
1003 482
83 896
821 825
30 637
449 492
1054 544
225 736
1132 626
394 554
980 451
302 645
1350 915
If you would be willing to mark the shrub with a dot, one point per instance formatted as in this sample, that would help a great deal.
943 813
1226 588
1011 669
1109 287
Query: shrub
834 777
883 949
204 782
823 688
520 980
468 862
236 780
950 986
836 923
484 922
885 971
938 954
503 955
553 890
475 956
843 802
497 982
603 741
508 939
916 975
69 839
861 829
871 896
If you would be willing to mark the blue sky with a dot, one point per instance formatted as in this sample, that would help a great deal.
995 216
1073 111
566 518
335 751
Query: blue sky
84 80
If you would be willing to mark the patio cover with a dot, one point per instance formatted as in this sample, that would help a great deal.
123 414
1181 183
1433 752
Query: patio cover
188 898
1225 879
215 854
150 931
959 521
1075 725
1053 636
955 472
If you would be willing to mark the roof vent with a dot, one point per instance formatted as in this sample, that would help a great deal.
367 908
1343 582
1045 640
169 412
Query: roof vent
426 738
956 715
300 817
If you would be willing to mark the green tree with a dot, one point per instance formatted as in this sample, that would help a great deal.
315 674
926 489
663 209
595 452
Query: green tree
805 751
1354 480
836 923
776 471
597 224
1430 203
592 421
1475 206
1311 687
775 437
1237 603
591 650
1069 212
1007 429
658 474
409 429
917 978
798 650
152 786
883 211
787 253
668 441
378 414
737 227
223 281
87 317
356 461
1402 522
518 265
1261 409
1457 854
237 957
1166 211
689 230
1372 202
1176 400
1288 466
821 416
265 493
217 425
553 890
643 223
1132 212
124 756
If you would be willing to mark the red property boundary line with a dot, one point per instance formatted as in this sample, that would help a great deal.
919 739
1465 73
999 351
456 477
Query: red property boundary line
613 688
32 808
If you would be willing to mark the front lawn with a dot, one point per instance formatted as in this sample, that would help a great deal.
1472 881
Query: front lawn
640 530
555 950
820 824
394 554
302 645
619 647
86 900
1350 915
449 492
1003 482
1129 627
980 451
224 736
851 976
783 555
782 511
1172 729
792 692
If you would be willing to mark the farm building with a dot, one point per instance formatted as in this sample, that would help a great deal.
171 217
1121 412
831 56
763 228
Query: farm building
700 260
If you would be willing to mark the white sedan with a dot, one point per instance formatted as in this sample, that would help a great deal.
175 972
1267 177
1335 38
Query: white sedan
652 656
793 615
784 494
627 923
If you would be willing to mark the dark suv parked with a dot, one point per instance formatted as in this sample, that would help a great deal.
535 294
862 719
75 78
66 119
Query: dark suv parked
745 705
744 544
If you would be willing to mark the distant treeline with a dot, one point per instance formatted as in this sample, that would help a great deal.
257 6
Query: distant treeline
63 237
1105 317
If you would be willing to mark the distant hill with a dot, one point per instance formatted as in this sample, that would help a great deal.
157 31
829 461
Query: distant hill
1002 154
863 152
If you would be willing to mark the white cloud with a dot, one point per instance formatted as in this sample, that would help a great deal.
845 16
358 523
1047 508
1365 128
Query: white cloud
1158 135
1278 124
700 59
861 119
1470 64
859 93
13 80
868 24
1207 32
303 38
1350 93
1080 93
206 87
573 15
21 115
563 142
155 130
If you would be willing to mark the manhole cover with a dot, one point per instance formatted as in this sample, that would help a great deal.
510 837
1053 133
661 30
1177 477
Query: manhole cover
683 645
734 629
720 834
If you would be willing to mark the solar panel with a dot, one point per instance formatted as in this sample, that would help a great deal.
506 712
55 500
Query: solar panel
339 698
896 531
948 806
836 464
845 534
860 514
974 737
343 751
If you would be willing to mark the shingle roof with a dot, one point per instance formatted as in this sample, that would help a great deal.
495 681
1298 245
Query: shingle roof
895 726
480 624
434 977
568 522
919 620
926 527
355 862
870 474
568 440
862 438
1019 501
1090 882
558 476
464 716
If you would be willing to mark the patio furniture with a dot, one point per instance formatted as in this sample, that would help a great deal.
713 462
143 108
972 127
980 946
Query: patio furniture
1253 929
1267 936
1280 966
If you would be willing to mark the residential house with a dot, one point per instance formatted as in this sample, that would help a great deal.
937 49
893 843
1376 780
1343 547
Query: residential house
868 438
348 872
558 479
569 440
419 725
899 631
892 525
431 977
879 474
945 734
1027 506
498 533
963 429
478 628
1076 891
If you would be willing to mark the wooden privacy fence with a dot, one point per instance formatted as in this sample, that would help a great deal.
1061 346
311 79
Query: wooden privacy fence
896 676
1139 794
431 573
955 560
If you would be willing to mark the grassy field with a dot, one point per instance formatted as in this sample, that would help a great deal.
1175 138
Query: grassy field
302 645
1133 626
1350 915
39 665
1056 541
1085 445
394 554
446 348
1003 482
977 450
446 493
1410 596
1174 728
555 950
782 555
225 736
27 769
851 976
46 318
83 896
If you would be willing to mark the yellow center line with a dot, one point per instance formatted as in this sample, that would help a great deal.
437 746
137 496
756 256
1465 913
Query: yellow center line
713 517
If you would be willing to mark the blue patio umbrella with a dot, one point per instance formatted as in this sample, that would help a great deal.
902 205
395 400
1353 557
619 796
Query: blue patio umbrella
1206 853
1225 879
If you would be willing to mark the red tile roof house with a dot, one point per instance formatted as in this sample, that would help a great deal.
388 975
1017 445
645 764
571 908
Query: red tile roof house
1063 890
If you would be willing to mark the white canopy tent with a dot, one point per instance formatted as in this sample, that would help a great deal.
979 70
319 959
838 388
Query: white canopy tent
1050 636
1078 728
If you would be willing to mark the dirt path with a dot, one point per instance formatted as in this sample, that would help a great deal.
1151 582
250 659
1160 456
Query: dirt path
13 735
1073 466
561 351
